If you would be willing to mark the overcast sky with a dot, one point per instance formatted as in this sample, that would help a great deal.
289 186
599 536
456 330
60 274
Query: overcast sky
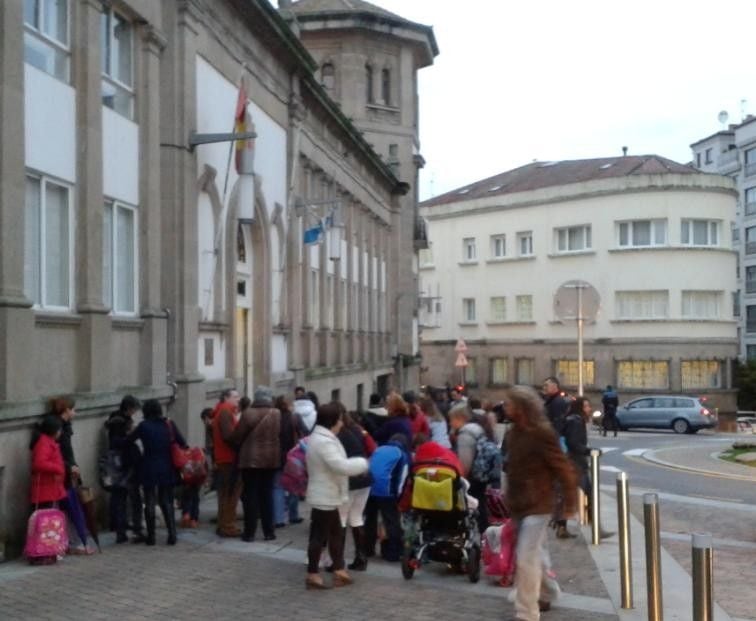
518 80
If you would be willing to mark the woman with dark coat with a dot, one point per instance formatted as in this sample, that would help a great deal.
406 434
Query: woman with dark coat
398 421
156 473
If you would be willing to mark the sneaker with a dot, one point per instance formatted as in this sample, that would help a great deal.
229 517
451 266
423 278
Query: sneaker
297 520
563 533
280 524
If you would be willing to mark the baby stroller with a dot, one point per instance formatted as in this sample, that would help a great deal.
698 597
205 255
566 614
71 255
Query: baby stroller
438 524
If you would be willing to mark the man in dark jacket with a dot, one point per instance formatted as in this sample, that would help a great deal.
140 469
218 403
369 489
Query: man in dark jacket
556 404
258 436
610 401
119 425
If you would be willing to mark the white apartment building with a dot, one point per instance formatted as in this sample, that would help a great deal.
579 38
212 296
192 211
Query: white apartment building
650 235
732 152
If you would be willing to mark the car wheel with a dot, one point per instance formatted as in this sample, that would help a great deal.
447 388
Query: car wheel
680 425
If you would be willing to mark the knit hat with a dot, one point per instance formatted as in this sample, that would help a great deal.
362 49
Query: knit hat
263 394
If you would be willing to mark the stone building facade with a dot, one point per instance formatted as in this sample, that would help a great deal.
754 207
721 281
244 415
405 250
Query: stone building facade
649 235
133 261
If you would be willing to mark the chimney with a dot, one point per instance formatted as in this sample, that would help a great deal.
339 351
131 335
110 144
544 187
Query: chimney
624 151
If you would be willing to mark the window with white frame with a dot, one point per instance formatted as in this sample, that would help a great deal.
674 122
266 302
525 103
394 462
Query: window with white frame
701 304
699 232
525 243
573 238
525 371
468 310
640 233
119 267
48 236
498 246
425 256
642 304
643 374
499 370
524 307
697 374
750 201
469 252
498 308
46 36
315 298
567 372
117 52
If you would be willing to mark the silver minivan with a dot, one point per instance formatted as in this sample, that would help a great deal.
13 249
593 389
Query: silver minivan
681 413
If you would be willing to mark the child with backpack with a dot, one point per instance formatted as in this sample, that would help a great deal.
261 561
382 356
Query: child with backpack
47 538
192 480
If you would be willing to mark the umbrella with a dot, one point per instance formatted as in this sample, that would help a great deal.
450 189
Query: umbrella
86 498
76 514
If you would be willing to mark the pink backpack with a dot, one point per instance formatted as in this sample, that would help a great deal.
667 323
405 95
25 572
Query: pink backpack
46 534
294 477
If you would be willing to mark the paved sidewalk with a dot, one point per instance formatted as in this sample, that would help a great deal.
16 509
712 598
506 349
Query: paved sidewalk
207 577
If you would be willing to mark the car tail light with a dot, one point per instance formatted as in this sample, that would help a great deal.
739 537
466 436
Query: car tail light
705 412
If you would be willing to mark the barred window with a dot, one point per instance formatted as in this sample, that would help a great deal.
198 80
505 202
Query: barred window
567 372
701 374
643 374
499 370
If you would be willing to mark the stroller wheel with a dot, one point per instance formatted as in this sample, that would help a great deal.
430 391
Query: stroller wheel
473 563
409 564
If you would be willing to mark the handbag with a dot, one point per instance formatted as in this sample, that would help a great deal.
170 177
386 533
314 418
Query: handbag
179 456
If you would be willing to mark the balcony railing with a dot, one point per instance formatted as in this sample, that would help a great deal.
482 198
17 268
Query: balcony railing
421 234
728 157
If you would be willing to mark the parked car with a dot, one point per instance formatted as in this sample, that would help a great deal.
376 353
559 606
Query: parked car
681 413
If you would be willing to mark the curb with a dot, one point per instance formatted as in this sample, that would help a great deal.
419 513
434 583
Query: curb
650 456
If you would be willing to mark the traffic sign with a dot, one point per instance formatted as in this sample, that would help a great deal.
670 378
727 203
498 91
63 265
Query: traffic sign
461 346
461 360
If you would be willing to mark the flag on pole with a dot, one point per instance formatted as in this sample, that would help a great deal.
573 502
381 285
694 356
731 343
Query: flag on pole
245 149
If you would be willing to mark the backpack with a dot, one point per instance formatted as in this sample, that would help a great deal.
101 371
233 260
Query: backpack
194 470
113 474
294 476
486 466
46 536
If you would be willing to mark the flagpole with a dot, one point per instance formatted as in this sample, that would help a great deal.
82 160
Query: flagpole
224 210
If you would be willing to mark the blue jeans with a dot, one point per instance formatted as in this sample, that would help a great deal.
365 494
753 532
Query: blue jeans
283 502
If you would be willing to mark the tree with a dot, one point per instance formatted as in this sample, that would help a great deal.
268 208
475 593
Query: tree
745 382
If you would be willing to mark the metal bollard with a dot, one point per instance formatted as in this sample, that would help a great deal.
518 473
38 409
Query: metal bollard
653 557
703 577
626 558
595 506
582 501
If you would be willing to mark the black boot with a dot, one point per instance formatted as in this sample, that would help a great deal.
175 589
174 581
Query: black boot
360 559
149 518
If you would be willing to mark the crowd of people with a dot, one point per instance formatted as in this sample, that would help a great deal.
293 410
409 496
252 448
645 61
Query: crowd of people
356 466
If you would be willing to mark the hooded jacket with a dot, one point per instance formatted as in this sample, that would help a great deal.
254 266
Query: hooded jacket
305 410
329 469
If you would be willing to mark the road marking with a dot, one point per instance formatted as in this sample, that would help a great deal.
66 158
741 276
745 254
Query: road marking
610 469
716 498
607 449
687 499
637 452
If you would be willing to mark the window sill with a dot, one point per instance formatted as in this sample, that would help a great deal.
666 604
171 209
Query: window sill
380 106
127 323
669 248
676 320
574 253
427 266
511 323
466 263
51 318
529 257
468 323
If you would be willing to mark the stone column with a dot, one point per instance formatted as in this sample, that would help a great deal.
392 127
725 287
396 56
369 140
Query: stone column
16 317
179 274
94 332
349 211
153 343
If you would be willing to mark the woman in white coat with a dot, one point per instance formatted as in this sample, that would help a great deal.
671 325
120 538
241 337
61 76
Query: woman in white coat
328 471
